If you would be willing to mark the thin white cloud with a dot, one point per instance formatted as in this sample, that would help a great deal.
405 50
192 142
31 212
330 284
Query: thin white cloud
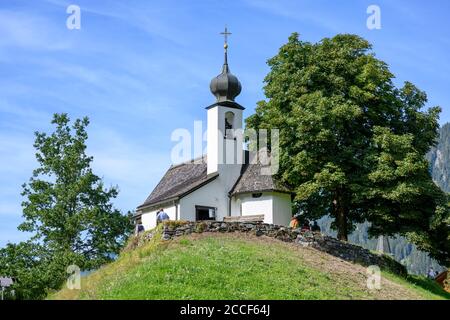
118 160
97 77
17 154
149 19
135 168
10 209
27 114
125 160
30 31
10 235
299 11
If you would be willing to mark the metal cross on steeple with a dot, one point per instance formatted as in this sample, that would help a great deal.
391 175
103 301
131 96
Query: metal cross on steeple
226 34
225 68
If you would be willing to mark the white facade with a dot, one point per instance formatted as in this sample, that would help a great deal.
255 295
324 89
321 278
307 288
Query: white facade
211 195
275 206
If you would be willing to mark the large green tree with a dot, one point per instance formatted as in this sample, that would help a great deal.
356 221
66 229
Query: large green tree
68 211
352 144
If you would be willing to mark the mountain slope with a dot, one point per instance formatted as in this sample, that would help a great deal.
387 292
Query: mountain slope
415 261
238 266
439 158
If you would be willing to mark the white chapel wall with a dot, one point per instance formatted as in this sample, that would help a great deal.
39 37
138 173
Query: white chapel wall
212 194
149 217
282 208
256 206
276 207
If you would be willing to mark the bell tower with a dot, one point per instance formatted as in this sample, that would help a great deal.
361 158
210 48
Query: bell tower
225 137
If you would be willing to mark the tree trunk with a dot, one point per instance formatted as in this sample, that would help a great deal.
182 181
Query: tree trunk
342 225
341 218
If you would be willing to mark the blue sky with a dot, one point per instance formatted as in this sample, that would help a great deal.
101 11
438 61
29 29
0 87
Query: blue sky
140 69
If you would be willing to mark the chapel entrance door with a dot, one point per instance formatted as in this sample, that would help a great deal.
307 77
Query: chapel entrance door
205 213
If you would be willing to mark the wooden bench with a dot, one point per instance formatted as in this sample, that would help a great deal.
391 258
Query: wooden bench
252 218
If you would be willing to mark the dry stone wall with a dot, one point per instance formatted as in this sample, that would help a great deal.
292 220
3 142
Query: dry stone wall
316 240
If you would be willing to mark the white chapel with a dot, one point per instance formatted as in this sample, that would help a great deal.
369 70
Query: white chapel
228 182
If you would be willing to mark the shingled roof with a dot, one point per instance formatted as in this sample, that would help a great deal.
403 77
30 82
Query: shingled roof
184 178
254 178
178 181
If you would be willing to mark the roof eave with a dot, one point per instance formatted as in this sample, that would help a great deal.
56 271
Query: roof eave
263 190
226 103
157 203
209 178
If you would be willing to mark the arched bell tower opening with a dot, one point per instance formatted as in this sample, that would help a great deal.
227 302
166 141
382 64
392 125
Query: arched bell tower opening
229 125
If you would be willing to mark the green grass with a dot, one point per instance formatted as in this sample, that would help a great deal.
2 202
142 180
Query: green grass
218 269
429 289
237 267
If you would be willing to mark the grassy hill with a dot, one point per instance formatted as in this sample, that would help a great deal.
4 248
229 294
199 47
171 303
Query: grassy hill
238 266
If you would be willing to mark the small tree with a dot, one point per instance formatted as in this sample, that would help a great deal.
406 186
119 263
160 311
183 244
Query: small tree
67 205
69 211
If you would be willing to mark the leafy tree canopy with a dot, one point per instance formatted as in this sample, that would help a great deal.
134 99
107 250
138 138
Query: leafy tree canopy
352 144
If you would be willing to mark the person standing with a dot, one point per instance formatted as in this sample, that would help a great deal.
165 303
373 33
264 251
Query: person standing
315 227
139 227
431 273
161 216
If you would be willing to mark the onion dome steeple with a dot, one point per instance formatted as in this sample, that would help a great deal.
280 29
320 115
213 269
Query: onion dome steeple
226 86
